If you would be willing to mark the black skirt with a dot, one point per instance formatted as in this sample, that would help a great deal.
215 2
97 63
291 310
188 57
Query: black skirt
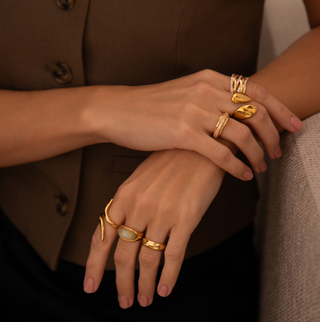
218 285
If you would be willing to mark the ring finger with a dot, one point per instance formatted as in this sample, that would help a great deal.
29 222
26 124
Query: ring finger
149 260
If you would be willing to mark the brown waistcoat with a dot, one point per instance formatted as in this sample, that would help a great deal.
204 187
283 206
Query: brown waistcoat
55 202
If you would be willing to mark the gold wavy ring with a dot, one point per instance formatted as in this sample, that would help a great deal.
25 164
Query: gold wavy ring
101 227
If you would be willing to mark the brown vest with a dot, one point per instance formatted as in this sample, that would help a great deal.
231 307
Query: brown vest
55 202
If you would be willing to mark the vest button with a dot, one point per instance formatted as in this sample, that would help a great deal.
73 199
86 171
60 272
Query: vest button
65 4
61 204
62 73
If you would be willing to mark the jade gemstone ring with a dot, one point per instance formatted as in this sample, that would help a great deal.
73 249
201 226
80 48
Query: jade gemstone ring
129 234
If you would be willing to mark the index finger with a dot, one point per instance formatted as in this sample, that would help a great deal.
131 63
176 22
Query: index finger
98 255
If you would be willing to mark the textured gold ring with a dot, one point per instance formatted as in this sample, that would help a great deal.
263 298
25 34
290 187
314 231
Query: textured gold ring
153 245
124 232
245 112
223 120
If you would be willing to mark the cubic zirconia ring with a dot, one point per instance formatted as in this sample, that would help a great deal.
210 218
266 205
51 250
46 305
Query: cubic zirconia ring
223 120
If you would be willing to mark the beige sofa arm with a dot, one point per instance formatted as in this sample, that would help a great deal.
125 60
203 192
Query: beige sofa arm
288 230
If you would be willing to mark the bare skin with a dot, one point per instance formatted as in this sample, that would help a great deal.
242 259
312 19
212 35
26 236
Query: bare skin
162 209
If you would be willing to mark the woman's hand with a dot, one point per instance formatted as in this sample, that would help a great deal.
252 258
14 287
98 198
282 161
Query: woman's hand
182 113
167 195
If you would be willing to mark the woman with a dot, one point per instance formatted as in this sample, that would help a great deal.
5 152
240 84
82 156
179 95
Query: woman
126 43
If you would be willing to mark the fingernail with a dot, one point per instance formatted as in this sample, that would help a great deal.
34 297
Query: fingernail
143 300
164 290
278 152
88 285
124 302
248 175
296 123
263 166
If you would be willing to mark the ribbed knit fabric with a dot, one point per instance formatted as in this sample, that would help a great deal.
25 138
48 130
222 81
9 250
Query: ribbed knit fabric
288 229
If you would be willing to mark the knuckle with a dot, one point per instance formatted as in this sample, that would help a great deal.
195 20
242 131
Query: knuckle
259 91
174 254
206 73
202 87
96 240
121 258
243 133
262 115
147 259
222 153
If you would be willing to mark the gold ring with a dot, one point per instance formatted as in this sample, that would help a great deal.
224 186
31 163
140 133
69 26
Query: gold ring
238 84
152 245
124 232
245 112
240 98
223 120
101 227
107 217
129 234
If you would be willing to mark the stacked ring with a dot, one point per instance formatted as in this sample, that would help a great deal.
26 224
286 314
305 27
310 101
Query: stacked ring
153 245
238 84
223 120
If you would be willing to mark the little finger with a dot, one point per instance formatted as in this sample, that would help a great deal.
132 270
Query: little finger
174 256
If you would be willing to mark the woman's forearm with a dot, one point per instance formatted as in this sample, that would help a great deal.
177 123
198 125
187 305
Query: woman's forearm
294 77
40 124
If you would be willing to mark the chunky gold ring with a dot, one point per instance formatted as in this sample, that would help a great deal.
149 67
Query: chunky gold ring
124 232
240 98
238 84
101 227
223 120
153 245
245 112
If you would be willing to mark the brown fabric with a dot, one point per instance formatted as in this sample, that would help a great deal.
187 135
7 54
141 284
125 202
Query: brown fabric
114 42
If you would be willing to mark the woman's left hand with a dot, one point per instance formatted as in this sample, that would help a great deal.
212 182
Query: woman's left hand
167 195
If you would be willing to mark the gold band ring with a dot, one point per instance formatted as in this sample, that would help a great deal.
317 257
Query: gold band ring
153 245
245 112
238 84
124 232
101 227
223 120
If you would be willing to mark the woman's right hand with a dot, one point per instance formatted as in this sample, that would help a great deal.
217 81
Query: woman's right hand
182 113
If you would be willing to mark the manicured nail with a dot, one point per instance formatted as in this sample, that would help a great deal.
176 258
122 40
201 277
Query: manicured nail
296 123
164 290
124 302
248 175
143 300
278 152
88 285
263 166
